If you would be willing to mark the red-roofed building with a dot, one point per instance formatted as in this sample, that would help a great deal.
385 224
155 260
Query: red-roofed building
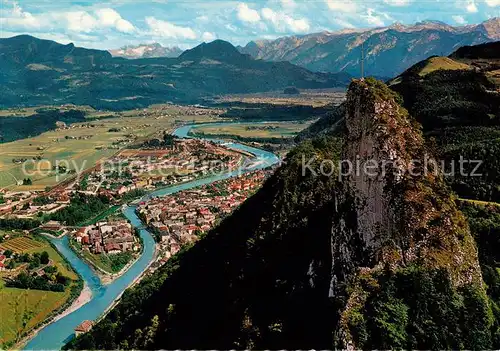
84 327
112 248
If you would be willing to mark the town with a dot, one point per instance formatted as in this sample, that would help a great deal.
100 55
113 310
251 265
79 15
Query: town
184 217
108 237
158 163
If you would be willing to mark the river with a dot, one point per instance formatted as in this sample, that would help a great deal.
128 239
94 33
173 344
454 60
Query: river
58 333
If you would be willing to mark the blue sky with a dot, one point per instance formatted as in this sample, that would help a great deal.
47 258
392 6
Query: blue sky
110 24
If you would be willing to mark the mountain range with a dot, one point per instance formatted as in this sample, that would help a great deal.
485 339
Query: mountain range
146 51
388 51
36 72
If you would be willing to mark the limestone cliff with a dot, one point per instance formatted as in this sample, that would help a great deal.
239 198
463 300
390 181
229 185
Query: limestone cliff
394 209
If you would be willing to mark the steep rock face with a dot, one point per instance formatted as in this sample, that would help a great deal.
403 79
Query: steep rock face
394 209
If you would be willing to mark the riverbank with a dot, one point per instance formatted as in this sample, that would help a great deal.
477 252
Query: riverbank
84 297
132 284
105 297
72 305
105 277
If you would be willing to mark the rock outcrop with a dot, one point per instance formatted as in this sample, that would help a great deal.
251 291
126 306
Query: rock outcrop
394 209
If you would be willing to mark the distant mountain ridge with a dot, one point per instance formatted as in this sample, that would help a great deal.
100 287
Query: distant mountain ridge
218 49
146 51
36 72
388 50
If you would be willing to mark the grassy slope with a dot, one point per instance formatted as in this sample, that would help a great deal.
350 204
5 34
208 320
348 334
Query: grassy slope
442 63
39 304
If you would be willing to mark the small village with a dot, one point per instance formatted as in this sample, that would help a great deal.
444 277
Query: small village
130 171
183 217
108 237
185 160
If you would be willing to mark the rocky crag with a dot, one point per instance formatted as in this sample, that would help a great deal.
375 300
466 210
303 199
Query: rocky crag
394 209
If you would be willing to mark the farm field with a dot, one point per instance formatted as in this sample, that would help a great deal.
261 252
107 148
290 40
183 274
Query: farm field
83 145
255 130
308 97
24 244
30 111
21 244
35 303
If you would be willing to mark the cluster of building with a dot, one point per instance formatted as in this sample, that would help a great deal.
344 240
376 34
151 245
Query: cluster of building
185 160
170 110
180 218
108 237
13 200
22 204
131 169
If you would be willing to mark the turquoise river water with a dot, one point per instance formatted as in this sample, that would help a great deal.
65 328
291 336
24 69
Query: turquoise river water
58 333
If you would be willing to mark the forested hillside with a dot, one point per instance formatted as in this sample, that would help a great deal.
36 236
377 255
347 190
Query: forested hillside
14 128
456 99
459 110
312 262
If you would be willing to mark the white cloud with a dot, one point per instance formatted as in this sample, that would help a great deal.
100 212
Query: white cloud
208 36
107 16
246 14
343 23
169 30
459 19
372 19
124 26
72 21
283 23
342 5
493 3
471 7
232 28
397 2
16 18
288 4
80 21
203 18
110 18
